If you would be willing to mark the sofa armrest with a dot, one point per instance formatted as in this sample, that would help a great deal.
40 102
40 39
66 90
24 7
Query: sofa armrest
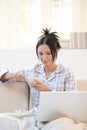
82 84
14 96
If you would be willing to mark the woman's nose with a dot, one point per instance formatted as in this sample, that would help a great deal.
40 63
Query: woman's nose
44 57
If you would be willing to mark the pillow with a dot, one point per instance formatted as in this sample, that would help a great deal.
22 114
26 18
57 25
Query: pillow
65 123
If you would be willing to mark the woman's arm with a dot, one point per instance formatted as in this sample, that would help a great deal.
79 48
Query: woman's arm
70 84
12 76
7 76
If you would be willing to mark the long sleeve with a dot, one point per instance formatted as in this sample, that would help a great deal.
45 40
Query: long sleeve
70 84
2 72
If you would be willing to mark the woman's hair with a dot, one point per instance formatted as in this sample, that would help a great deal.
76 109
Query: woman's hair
51 39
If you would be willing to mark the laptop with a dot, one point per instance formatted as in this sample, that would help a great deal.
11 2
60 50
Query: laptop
63 104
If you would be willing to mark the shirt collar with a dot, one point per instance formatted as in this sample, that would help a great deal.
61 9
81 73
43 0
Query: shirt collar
59 68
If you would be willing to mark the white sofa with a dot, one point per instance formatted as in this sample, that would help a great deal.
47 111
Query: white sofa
16 95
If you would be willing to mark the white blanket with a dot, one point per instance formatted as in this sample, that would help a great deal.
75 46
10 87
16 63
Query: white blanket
27 121
21 120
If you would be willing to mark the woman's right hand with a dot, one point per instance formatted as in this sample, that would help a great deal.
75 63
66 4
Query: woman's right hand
13 76
19 76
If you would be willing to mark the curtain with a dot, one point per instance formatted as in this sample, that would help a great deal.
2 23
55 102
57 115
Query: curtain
78 40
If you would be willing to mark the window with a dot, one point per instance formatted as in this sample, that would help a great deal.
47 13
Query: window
24 20
30 22
37 14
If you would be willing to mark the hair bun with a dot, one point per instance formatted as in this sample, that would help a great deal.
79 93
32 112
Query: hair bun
46 31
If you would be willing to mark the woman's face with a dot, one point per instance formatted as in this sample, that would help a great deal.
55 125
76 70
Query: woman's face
44 54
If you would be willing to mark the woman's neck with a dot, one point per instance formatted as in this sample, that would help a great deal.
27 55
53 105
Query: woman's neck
49 69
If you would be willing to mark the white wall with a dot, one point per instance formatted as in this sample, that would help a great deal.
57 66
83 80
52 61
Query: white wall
17 58
75 59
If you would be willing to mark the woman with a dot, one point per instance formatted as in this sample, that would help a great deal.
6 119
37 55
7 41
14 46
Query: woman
51 76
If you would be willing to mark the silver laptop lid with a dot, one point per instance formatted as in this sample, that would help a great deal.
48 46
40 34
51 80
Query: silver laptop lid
59 104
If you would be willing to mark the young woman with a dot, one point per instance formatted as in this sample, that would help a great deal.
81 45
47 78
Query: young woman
47 75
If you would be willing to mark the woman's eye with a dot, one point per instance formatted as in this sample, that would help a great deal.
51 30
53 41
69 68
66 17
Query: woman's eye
40 53
48 53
